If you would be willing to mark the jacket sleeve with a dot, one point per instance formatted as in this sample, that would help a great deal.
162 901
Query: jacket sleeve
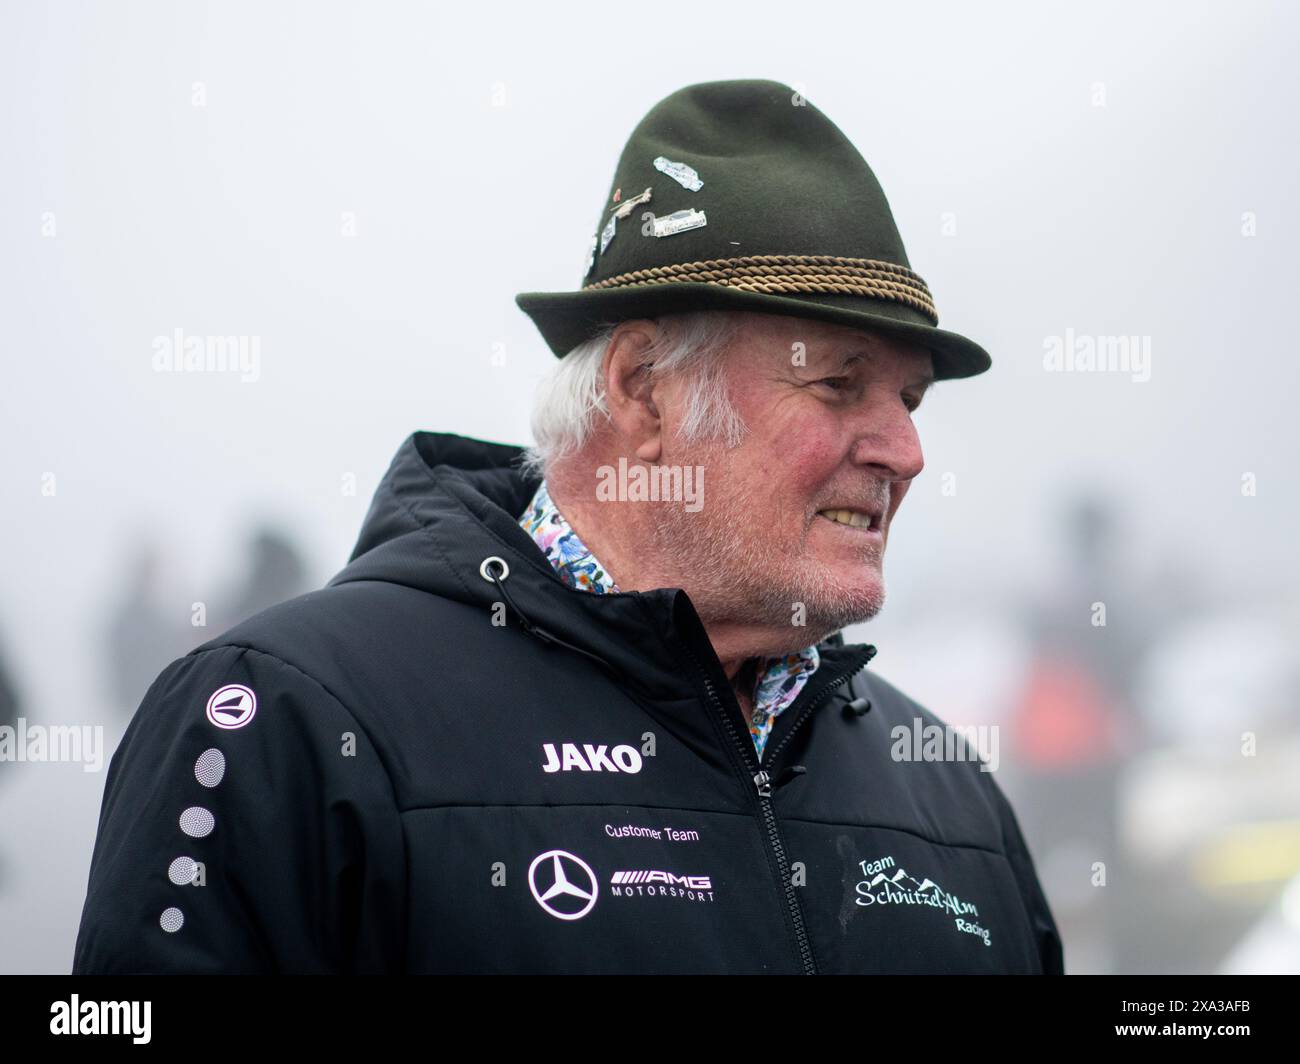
248 825
1043 926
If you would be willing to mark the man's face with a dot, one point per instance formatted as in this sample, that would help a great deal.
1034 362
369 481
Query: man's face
796 518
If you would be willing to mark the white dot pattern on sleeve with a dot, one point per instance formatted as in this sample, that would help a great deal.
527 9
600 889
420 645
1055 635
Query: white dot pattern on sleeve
181 871
197 822
210 767
171 920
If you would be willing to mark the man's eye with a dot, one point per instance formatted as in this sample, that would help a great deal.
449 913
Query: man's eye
836 383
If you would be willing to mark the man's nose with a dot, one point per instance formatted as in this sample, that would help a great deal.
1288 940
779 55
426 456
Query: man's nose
887 440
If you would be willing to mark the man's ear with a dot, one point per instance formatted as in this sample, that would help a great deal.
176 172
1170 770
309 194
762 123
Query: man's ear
629 390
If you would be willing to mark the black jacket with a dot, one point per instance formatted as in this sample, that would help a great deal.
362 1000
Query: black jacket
424 770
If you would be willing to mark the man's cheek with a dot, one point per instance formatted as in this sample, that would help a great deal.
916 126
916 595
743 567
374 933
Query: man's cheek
803 457
796 482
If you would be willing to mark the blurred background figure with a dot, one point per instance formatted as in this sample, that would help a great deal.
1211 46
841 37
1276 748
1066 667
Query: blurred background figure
9 701
1073 727
147 627
152 623
10 706
275 571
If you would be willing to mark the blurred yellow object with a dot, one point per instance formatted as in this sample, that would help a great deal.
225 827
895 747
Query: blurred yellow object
1266 853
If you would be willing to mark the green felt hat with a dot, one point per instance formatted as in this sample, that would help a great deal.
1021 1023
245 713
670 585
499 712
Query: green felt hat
742 195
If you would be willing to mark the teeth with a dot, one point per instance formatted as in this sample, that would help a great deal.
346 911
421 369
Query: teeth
848 517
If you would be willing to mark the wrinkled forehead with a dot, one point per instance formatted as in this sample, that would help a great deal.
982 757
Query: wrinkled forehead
824 345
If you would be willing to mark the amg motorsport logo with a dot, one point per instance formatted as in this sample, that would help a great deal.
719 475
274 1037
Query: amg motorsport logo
657 884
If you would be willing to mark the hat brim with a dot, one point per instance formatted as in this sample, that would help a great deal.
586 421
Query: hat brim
566 319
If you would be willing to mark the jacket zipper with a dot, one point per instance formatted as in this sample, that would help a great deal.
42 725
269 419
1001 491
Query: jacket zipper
866 655
763 786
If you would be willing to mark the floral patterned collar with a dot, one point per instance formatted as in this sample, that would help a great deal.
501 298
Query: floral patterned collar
780 679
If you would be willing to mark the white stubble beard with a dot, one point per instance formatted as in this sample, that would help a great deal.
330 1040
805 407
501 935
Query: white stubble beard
739 578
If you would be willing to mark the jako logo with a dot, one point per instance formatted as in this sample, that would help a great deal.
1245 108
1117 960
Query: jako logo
101 1017
590 758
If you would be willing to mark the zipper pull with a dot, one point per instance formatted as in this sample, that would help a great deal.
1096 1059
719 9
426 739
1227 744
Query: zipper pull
765 783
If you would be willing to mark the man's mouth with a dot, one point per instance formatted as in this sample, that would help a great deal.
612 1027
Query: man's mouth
868 522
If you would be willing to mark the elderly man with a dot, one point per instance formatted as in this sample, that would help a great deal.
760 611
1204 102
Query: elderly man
584 707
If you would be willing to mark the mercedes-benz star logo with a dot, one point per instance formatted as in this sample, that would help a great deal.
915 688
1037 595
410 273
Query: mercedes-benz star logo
564 885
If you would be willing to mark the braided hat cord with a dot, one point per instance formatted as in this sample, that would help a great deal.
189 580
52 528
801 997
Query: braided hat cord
792 273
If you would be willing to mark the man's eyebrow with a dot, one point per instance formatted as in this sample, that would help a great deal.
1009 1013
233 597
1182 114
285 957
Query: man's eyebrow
851 358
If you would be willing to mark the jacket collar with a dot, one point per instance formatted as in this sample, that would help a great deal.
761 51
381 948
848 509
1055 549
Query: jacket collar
448 503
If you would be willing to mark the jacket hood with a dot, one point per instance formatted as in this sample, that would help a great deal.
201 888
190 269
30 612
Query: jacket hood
449 503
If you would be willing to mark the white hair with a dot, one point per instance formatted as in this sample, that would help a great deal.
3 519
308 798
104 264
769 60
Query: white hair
569 400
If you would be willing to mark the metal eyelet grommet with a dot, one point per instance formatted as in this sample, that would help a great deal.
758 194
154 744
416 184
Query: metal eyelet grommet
483 569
